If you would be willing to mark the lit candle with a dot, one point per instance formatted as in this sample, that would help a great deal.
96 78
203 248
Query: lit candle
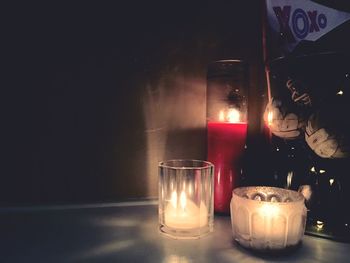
269 118
227 112
226 141
186 198
267 217
184 214
270 223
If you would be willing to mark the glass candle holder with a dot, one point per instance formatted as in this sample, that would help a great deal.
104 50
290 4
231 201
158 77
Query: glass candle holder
186 198
227 84
267 218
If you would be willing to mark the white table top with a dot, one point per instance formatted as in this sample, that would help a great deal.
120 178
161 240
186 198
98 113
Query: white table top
128 232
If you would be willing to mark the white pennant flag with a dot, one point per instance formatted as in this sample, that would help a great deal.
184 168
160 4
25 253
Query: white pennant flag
296 20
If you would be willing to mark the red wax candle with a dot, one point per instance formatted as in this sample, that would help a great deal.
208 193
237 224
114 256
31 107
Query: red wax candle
226 143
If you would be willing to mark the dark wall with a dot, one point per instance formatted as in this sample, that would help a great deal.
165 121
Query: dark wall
100 94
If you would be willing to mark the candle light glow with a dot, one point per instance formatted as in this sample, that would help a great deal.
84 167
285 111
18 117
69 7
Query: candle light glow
226 141
269 118
275 220
186 198
184 214
269 210
232 115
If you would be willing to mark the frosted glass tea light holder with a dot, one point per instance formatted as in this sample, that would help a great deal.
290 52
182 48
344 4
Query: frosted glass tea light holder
267 218
186 198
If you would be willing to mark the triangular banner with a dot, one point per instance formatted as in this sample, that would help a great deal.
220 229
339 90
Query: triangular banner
297 20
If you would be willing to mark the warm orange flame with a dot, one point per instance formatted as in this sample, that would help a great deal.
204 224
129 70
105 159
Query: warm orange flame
183 200
270 210
173 200
233 115
269 118
230 115
221 116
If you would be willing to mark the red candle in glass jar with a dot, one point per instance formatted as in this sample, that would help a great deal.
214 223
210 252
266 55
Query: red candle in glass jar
227 112
226 142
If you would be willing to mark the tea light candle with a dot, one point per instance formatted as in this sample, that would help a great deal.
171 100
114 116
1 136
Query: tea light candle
267 217
186 200
185 214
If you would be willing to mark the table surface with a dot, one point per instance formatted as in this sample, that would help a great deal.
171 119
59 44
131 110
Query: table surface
128 232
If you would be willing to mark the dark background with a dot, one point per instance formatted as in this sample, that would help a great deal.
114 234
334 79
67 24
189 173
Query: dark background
97 95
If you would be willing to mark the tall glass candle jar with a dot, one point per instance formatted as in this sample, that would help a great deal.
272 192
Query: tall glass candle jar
185 198
227 82
309 146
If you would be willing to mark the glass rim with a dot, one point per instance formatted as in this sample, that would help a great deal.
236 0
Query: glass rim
165 164
300 198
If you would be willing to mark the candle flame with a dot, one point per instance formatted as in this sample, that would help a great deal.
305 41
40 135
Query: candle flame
183 200
173 200
190 189
289 179
269 210
269 118
340 92
233 115
319 225
221 116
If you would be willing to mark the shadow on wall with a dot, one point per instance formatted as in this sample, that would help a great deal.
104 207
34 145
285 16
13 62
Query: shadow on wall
101 95
172 125
164 120
174 114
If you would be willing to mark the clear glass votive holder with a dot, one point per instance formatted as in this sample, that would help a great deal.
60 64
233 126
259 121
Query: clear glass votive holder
186 198
267 218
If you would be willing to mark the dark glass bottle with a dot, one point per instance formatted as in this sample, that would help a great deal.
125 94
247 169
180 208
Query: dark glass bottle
309 146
